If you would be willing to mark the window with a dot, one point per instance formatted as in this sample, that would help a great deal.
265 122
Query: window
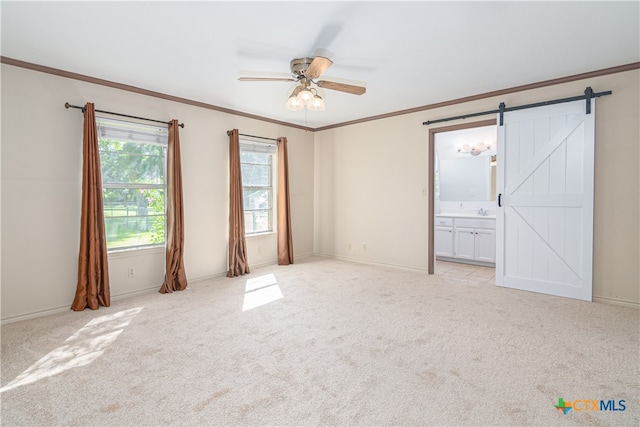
257 164
132 158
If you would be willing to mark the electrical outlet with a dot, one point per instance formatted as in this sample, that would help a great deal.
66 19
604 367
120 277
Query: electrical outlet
132 272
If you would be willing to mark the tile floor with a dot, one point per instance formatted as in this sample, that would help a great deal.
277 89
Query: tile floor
466 273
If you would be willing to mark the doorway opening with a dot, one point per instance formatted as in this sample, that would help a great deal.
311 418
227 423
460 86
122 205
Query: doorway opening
462 176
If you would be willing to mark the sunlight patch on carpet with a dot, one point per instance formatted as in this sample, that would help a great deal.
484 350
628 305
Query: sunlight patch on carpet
81 348
260 291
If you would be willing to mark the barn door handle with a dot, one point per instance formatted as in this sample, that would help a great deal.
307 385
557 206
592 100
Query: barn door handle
500 200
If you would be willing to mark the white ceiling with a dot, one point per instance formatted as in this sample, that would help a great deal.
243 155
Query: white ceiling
409 54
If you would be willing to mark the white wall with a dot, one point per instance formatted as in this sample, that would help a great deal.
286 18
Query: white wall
41 184
362 185
369 179
370 182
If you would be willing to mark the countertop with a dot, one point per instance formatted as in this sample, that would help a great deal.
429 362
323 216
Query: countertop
466 215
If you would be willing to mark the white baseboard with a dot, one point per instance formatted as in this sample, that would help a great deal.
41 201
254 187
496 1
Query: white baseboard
55 310
64 308
275 262
604 300
257 265
615 301
369 262
36 314
207 277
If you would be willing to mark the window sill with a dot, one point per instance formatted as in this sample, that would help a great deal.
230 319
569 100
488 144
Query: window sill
258 235
124 253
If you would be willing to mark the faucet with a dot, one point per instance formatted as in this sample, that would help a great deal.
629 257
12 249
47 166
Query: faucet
482 212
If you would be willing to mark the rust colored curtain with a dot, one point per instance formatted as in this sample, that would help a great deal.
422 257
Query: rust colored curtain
175 278
285 242
93 266
238 264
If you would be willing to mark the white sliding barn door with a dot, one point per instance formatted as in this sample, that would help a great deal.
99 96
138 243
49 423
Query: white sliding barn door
544 226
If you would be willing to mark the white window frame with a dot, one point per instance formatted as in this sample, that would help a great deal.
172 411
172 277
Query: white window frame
248 145
129 131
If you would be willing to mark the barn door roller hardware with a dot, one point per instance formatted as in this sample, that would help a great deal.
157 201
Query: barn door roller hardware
588 94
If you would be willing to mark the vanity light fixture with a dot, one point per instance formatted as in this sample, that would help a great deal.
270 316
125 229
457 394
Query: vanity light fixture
475 149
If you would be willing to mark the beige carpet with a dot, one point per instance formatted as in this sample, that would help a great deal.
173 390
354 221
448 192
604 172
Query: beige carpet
333 343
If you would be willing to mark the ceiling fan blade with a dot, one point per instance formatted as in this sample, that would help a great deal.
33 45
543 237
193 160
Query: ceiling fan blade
342 87
266 79
318 66
326 37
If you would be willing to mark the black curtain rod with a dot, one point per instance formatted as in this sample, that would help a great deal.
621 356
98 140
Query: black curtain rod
254 136
588 94
67 105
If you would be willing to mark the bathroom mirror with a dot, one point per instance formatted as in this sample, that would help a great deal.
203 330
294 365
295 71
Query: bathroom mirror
465 168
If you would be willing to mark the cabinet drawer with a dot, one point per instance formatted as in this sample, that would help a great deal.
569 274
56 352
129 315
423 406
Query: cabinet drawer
447 222
476 223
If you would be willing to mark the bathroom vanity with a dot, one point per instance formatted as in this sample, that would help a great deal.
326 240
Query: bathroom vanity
466 238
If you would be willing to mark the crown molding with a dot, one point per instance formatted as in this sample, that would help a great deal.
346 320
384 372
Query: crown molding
134 89
115 85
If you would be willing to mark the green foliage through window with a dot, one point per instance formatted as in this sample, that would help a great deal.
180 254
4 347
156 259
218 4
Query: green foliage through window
132 158
257 163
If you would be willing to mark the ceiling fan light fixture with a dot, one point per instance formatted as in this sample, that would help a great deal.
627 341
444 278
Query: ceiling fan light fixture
305 96
293 104
306 72
317 104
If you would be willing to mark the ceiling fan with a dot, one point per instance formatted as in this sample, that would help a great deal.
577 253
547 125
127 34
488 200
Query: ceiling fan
305 71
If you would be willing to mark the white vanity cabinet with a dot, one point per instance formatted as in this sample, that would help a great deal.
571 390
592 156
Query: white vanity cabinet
485 245
444 237
473 239
465 243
